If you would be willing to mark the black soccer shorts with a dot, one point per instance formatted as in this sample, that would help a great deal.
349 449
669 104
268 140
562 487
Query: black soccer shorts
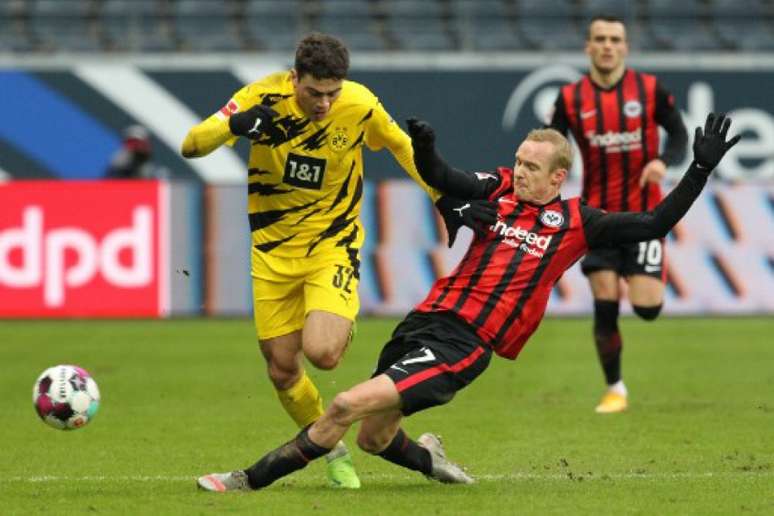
645 258
430 357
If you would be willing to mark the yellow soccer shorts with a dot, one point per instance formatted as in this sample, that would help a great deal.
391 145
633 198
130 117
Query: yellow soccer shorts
286 289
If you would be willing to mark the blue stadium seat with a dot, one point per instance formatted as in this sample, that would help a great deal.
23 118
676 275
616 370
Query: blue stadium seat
351 20
13 29
744 24
624 9
682 25
13 36
415 25
489 34
63 25
275 26
485 25
137 25
206 25
551 25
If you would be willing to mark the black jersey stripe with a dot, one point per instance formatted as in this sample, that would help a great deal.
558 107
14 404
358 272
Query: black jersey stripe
505 280
261 219
282 131
269 99
485 259
307 215
342 221
344 188
266 189
316 140
358 140
601 150
366 116
352 252
644 123
535 279
257 172
579 139
268 246
452 279
624 152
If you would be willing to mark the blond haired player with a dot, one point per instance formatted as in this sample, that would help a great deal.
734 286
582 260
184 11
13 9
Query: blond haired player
307 128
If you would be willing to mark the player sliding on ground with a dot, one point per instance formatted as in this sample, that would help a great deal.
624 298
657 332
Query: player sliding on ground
492 302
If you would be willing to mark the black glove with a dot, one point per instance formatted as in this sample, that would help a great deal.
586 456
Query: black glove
253 122
422 134
477 214
710 146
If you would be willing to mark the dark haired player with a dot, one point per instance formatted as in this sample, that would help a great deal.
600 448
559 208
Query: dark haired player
614 114
492 302
307 128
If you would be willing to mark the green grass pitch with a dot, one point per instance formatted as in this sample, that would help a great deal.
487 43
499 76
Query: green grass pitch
188 397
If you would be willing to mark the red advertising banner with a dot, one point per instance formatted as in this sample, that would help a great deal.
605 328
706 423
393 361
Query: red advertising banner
83 249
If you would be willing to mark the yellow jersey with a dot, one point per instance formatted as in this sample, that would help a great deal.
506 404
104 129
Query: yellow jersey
305 181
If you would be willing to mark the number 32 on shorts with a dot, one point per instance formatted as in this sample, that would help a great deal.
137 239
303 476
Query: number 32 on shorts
342 278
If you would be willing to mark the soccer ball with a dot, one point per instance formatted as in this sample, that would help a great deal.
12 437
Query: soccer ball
65 397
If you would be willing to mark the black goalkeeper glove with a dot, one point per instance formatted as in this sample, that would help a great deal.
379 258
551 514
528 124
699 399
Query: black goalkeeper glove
477 214
253 122
422 134
710 146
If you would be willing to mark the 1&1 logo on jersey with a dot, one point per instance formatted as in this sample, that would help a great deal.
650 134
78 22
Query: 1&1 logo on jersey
304 171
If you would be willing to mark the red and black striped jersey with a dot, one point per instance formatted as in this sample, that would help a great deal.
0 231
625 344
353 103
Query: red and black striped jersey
502 285
617 132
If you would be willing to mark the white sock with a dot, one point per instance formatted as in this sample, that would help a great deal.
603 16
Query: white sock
618 388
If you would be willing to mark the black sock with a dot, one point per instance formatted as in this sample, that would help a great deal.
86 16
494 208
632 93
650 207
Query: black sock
286 459
407 453
608 339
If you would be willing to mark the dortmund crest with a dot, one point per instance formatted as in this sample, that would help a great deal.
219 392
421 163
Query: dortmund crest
339 140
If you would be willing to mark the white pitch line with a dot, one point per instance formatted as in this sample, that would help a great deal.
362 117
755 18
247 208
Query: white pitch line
485 478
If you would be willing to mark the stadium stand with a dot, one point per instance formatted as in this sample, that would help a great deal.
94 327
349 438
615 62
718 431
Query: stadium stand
744 24
66 25
139 26
194 21
353 20
485 25
376 25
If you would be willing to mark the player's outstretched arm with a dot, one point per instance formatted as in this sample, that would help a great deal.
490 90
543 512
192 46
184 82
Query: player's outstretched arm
709 147
439 174
205 137
215 131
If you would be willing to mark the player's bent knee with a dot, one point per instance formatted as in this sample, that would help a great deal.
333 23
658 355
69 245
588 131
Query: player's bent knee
341 409
326 359
647 313
283 378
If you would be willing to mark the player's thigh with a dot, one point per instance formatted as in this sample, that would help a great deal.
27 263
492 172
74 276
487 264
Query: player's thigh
645 290
278 297
378 430
373 396
325 335
331 286
605 285
331 305
602 266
